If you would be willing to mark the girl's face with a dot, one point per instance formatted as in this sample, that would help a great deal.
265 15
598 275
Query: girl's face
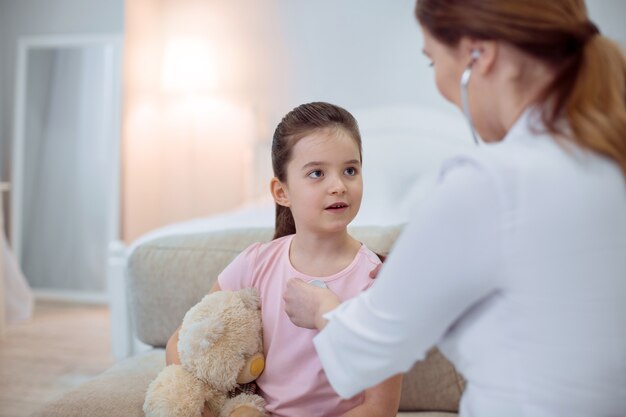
324 185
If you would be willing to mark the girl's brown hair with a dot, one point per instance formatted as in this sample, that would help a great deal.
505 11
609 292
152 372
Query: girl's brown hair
298 123
590 87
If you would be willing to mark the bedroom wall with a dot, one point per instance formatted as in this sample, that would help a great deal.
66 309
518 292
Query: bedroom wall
356 53
609 16
43 17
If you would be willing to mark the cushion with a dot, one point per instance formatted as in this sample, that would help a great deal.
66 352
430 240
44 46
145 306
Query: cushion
432 384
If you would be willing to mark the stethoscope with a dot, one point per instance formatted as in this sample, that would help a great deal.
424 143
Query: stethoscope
465 77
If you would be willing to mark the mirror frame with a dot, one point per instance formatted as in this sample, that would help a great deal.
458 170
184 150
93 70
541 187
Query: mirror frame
111 45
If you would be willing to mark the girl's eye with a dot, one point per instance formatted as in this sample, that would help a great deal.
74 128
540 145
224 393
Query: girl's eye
431 64
352 171
316 174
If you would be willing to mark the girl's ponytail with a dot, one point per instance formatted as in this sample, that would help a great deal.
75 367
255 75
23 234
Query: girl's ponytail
285 224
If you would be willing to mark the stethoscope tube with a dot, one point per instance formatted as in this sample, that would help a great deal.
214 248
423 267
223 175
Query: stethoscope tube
465 77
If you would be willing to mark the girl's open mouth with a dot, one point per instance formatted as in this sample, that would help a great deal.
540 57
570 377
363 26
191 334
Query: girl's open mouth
337 207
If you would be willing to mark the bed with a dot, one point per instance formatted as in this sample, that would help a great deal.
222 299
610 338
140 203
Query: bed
403 146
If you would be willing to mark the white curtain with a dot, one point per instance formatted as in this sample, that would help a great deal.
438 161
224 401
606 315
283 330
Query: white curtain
69 157
18 298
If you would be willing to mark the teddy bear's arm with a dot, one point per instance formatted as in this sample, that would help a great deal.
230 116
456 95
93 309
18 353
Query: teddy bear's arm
244 405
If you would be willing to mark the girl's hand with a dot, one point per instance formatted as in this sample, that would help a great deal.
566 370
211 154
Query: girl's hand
305 304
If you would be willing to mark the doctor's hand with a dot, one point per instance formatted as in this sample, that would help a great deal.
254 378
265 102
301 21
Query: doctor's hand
305 304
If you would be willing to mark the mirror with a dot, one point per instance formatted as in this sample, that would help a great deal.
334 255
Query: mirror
66 163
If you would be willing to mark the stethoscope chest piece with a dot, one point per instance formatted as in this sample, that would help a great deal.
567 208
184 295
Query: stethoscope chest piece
318 283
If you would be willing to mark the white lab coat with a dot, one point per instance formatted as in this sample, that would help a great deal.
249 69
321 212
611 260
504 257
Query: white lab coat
515 267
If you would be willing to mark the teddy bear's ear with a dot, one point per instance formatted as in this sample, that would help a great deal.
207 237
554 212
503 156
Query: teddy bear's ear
250 298
200 336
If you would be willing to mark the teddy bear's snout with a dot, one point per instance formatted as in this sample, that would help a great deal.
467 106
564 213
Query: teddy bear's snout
257 366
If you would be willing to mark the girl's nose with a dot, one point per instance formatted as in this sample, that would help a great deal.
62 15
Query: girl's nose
338 187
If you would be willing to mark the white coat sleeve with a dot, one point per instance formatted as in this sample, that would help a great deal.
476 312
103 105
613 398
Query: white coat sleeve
444 262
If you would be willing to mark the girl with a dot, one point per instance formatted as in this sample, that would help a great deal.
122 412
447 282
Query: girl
316 158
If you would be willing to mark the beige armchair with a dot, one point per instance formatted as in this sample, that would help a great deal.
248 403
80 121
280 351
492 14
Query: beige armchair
168 275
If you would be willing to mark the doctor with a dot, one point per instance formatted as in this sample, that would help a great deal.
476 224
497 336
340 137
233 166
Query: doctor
515 267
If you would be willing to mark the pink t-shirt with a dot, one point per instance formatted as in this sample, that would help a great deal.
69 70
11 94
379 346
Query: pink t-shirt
293 382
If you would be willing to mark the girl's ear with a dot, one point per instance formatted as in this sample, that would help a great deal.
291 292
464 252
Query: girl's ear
279 192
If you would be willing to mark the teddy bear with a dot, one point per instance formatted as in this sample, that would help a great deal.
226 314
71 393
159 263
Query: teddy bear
221 352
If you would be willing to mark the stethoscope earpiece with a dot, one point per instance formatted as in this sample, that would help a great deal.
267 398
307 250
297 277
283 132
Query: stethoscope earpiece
465 77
